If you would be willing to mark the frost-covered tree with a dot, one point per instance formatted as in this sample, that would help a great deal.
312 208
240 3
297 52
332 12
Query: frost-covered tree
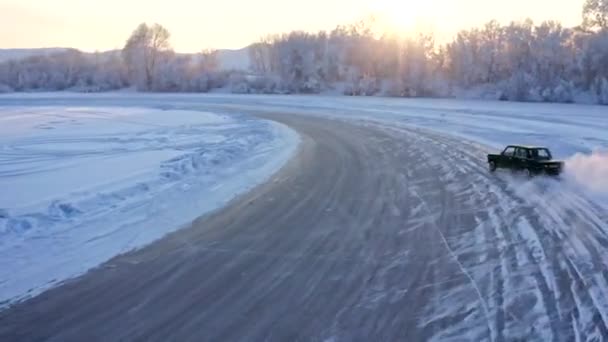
145 51
208 61
109 72
5 73
260 56
415 66
600 90
595 14
591 58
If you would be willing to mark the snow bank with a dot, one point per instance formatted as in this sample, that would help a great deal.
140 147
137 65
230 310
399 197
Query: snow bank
81 185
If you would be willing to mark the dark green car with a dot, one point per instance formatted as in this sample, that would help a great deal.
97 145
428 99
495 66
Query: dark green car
531 160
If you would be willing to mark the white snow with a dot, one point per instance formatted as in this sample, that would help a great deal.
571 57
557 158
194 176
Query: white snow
567 129
80 185
107 212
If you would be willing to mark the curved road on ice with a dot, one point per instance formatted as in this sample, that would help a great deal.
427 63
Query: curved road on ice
371 233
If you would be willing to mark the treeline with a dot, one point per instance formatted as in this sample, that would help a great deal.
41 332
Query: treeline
520 61
147 62
62 70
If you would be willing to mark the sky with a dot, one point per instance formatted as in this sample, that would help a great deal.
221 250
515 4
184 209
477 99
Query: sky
98 25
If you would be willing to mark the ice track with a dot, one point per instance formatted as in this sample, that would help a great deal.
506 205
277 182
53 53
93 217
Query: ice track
374 231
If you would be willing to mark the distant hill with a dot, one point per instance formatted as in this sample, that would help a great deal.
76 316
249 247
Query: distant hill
234 59
229 59
8 54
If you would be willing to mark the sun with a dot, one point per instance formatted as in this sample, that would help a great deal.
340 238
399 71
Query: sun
403 15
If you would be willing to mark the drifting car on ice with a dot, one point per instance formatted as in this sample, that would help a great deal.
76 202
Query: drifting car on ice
531 160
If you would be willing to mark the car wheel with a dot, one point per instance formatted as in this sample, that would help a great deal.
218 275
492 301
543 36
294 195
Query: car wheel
492 166
527 173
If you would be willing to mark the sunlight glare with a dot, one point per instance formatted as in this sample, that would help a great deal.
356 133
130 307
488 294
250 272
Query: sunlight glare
405 15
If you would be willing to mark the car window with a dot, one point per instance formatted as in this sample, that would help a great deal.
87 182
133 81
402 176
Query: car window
543 153
522 153
509 151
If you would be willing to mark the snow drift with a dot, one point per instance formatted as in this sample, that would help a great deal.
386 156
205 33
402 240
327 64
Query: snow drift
81 185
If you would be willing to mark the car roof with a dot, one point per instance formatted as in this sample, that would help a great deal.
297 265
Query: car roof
529 147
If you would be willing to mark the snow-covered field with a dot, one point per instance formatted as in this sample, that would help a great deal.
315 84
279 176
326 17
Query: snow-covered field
566 128
79 185
84 177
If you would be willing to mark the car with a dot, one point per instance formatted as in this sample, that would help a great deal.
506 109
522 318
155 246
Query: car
531 160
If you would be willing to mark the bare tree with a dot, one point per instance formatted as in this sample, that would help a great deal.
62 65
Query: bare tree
209 61
595 14
260 57
144 50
